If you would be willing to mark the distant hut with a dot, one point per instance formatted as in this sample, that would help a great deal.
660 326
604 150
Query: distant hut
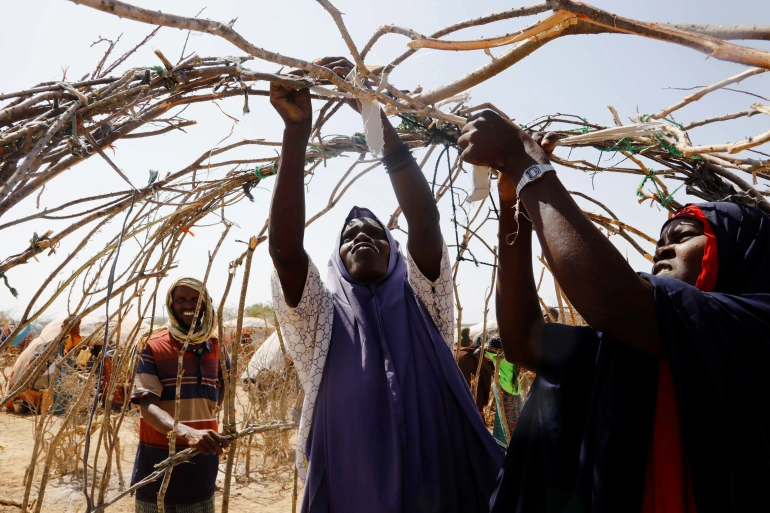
255 330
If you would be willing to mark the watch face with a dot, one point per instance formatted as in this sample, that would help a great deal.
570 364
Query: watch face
533 172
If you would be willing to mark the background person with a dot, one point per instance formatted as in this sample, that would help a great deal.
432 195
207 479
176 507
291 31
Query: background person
192 485
468 362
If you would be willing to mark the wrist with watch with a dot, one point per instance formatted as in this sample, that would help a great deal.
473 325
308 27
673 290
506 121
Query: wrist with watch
532 174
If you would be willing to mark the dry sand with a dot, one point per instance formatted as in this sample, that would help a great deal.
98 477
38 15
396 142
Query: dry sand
264 493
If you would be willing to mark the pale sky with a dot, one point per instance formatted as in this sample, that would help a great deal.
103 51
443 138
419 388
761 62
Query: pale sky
576 75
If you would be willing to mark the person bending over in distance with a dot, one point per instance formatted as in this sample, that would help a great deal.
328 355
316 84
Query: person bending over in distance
388 423
192 485
660 405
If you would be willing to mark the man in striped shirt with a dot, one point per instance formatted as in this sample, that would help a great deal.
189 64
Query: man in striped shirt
192 485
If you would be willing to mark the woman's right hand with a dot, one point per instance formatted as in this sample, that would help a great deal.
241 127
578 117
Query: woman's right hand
293 105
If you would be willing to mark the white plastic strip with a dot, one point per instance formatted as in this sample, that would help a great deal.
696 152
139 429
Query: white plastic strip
481 184
370 112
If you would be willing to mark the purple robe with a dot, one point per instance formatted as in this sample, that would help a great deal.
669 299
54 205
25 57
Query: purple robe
395 427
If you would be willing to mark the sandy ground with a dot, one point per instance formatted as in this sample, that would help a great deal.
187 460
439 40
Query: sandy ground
267 494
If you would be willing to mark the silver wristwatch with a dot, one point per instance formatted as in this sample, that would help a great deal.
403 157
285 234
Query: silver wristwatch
532 174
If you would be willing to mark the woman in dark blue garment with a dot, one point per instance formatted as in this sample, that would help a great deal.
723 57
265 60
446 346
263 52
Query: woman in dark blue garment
661 405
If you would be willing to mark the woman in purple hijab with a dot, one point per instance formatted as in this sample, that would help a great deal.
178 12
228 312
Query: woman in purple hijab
388 422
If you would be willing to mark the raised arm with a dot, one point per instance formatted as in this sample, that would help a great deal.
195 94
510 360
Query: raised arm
287 209
594 275
518 309
412 191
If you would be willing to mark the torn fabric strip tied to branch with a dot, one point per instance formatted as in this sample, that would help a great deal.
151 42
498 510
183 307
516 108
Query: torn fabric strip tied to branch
481 184
370 112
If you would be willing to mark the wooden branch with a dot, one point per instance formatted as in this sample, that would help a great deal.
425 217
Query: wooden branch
554 21
762 203
726 117
115 168
706 90
620 224
503 62
726 32
732 148
337 16
150 133
34 154
131 12
473 22
484 327
188 454
710 46
129 53
56 87
231 427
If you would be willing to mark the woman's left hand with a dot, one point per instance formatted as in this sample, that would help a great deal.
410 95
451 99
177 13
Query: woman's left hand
342 68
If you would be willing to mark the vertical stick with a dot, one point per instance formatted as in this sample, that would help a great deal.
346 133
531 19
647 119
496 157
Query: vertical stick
282 403
569 305
231 425
58 438
294 493
484 332
39 428
222 349
459 308
559 301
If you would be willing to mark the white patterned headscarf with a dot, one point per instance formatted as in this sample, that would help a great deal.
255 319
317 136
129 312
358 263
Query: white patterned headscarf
207 323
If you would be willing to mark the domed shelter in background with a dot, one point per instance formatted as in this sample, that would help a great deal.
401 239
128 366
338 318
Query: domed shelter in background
477 329
255 330
269 357
91 332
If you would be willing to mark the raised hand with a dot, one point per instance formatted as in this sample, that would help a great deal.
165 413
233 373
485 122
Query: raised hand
292 104
339 65
490 140
547 141
342 68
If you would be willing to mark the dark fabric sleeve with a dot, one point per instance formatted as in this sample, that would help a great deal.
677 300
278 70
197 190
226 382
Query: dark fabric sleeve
540 469
718 346
581 443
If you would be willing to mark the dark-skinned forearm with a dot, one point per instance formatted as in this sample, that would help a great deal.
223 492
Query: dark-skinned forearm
158 418
287 209
518 309
416 201
594 275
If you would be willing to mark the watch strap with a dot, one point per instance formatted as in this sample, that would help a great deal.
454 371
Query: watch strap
531 174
